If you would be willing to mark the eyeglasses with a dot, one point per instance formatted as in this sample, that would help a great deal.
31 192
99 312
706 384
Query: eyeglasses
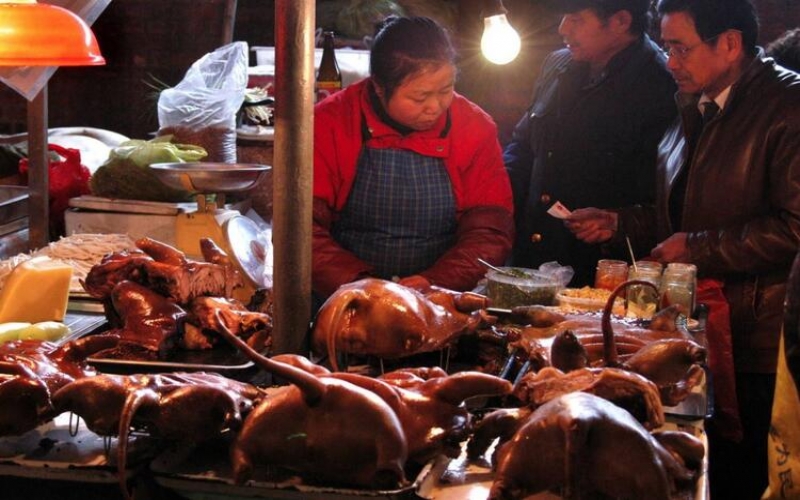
681 52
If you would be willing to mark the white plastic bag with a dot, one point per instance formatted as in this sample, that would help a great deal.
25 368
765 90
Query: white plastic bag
201 109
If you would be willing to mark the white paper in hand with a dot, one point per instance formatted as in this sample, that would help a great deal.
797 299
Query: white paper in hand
559 211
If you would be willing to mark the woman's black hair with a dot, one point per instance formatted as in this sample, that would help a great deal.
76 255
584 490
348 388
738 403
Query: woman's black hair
404 46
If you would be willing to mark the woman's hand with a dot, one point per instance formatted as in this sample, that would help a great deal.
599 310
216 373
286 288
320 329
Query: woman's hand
416 282
592 225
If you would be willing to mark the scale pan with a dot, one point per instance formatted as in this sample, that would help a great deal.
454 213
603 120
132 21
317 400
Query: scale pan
208 177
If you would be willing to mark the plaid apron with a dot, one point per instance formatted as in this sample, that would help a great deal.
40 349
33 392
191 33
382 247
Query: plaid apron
400 216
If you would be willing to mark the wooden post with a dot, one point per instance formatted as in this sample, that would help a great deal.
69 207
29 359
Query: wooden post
38 173
293 172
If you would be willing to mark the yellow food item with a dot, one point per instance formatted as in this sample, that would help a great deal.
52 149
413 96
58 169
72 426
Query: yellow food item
11 331
36 290
45 330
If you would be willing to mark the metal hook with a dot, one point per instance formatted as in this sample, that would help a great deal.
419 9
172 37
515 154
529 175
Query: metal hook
73 429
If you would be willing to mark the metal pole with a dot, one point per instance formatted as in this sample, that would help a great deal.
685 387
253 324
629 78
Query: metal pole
292 172
38 173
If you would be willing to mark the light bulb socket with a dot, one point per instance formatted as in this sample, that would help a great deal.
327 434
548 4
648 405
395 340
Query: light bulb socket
494 8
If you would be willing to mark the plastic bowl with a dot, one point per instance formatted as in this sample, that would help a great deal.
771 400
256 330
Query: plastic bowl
523 287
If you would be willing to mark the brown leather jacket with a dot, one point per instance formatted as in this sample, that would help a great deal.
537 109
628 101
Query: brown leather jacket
742 203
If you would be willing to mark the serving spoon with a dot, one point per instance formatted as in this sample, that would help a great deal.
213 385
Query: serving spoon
495 268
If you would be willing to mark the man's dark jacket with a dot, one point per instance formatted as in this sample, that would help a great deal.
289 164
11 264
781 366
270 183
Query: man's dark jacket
586 144
742 203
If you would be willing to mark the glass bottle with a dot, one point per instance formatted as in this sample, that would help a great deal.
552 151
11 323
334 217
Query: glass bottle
643 300
610 274
329 78
678 286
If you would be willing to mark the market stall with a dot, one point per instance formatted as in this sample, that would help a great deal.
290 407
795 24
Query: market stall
433 418
162 378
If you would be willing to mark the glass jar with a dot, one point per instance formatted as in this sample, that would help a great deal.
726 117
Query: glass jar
610 274
643 300
678 286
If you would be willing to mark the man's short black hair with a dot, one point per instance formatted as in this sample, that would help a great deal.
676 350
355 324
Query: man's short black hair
714 17
639 10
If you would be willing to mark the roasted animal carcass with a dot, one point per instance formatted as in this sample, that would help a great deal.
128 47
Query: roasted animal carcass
205 314
581 445
428 402
323 428
626 389
153 326
167 271
662 353
150 323
188 407
31 371
384 319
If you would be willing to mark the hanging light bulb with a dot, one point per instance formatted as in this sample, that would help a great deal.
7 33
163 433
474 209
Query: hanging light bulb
500 43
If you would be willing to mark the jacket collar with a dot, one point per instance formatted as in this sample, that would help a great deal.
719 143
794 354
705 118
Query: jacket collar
754 68
628 57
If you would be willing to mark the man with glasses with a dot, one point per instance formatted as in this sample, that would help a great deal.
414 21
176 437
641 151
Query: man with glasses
729 202
600 107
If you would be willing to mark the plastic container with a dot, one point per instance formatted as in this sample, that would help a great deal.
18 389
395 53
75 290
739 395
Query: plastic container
588 299
520 287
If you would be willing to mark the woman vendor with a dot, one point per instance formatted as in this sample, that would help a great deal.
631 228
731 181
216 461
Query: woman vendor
409 182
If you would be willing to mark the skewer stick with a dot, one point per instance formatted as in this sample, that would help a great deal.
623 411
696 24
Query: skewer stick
630 250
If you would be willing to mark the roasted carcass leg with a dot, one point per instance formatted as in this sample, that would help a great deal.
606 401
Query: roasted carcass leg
187 407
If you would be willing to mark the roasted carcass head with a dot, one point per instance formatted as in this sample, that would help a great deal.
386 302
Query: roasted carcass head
384 319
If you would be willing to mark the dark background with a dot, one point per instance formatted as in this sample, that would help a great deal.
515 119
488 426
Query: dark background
150 41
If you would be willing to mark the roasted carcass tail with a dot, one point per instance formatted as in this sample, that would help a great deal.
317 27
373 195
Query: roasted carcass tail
309 384
610 354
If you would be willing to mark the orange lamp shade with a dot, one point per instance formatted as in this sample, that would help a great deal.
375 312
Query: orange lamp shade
34 34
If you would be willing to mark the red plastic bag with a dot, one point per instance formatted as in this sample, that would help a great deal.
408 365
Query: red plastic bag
720 359
68 179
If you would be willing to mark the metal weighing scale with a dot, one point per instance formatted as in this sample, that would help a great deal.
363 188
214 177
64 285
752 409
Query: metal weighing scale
239 236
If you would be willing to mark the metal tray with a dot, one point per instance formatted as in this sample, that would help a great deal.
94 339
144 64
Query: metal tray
459 478
13 203
53 451
220 359
204 472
